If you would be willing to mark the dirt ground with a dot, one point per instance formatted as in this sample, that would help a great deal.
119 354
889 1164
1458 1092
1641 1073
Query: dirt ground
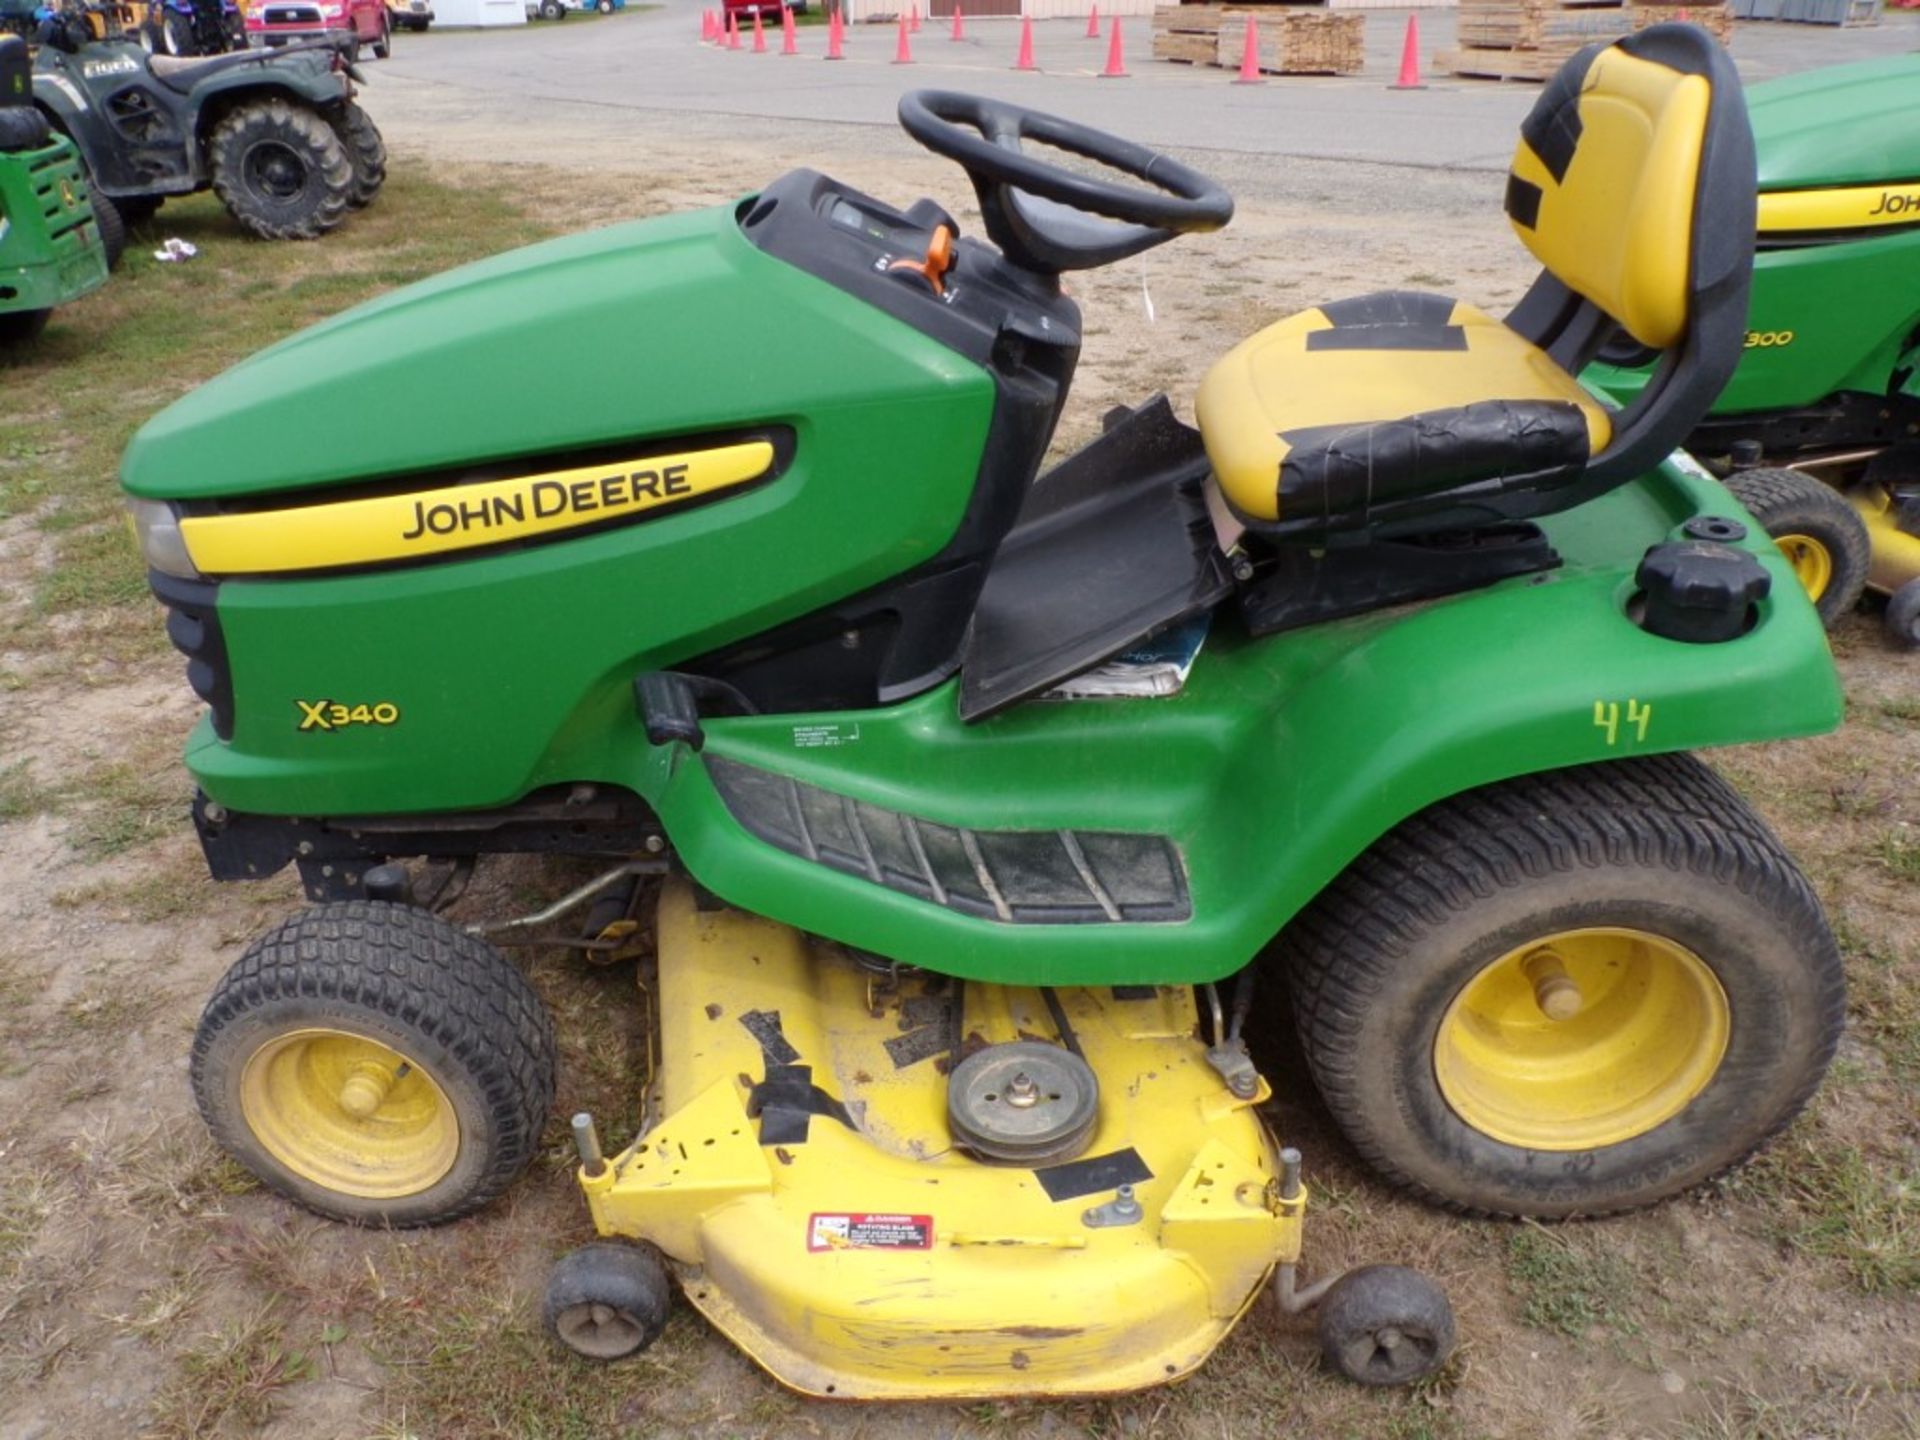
148 1288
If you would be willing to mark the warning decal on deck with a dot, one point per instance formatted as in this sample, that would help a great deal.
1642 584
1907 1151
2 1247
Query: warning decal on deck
854 1231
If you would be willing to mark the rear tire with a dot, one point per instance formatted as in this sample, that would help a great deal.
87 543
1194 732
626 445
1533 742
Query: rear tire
374 1064
1709 994
383 47
366 150
1821 535
281 171
23 128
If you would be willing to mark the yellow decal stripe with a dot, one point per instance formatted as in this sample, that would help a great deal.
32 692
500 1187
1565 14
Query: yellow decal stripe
1861 207
460 517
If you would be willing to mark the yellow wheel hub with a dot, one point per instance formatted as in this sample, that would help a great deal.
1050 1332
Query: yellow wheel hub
1811 561
347 1113
1582 1039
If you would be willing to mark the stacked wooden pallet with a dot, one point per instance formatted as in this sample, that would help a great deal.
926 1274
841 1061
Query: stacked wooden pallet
1291 40
1529 39
1716 20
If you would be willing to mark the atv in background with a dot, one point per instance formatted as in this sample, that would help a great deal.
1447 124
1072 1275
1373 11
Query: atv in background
192 27
276 135
54 247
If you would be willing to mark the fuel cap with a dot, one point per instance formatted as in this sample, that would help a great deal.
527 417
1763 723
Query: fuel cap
1699 591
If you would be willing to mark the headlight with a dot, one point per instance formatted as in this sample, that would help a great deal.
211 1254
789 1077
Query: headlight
157 529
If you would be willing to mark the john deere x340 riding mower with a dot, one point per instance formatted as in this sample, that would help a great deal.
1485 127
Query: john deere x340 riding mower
952 981
1818 431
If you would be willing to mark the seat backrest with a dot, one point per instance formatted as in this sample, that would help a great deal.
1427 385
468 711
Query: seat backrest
1604 181
1634 185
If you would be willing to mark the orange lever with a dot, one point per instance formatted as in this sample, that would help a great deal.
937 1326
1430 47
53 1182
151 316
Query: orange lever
938 261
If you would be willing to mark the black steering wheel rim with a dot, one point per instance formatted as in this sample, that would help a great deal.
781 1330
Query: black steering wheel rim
983 136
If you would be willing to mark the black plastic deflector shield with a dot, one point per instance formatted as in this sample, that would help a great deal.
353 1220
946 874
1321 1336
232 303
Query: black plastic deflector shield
1112 546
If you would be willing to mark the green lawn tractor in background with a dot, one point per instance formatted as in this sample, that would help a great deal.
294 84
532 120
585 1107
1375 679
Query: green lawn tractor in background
53 235
960 1086
1818 431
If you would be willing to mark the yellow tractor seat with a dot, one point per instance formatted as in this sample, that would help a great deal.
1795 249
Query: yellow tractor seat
1363 400
1401 415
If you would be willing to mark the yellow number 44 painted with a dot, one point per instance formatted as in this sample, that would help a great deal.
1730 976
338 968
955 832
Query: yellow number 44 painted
1607 714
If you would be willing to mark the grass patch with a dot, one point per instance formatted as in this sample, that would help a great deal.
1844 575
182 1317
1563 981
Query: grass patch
1833 1202
22 796
128 804
229 1383
1569 1285
1900 853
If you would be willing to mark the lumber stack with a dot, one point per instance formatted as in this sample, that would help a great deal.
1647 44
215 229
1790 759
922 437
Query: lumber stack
1716 20
1295 42
1529 39
1292 40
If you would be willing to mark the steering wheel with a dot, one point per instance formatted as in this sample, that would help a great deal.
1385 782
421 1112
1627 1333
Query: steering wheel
1045 217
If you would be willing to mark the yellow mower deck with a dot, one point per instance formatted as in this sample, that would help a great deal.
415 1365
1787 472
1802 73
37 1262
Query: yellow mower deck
803 1184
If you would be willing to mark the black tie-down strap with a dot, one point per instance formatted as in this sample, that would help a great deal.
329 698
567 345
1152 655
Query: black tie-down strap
1343 471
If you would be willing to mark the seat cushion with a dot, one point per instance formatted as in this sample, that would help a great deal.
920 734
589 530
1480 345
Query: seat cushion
1386 397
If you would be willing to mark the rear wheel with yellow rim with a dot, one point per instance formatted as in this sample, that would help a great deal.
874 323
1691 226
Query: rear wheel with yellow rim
1822 536
375 1064
1570 993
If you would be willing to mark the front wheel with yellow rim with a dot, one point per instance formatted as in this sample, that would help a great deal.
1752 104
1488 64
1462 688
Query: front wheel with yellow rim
1567 994
376 1065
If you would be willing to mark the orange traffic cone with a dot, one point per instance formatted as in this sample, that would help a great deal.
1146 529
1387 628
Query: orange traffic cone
733 31
913 19
1116 54
1410 59
836 35
706 26
1250 57
1024 60
959 25
903 52
759 36
1093 23
787 47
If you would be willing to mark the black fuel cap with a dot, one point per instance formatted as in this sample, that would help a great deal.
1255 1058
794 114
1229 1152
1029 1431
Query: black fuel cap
1699 591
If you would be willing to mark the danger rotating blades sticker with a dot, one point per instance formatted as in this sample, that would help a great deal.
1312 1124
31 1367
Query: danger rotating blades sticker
843 1230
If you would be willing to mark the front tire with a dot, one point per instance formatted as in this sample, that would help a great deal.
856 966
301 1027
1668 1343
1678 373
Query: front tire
366 150
113 229
281 171
1571 993
376 1065
1822 536
383 47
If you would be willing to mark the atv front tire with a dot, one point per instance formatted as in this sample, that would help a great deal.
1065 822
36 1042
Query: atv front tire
113 229
1572 993
281 171
1822 536
373 1063
366 150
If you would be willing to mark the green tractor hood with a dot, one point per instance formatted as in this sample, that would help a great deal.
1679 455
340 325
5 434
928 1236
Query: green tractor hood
1841 125
662 327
